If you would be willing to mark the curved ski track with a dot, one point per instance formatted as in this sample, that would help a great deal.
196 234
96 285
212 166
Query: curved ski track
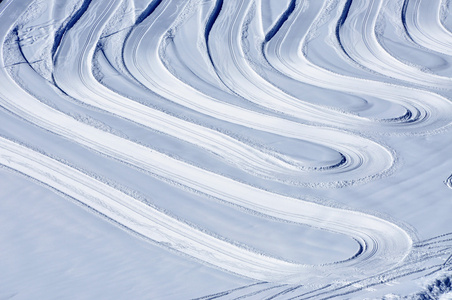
285 53
359 40
224 55
423 25
448 182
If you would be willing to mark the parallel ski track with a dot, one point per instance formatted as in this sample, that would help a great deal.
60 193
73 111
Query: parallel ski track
422 262
233 66
91 92
155 225
423 25
448 182
141 56
384 247
84 87
359 40
378 248
425 111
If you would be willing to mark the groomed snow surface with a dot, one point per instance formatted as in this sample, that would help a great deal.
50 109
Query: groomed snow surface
225 149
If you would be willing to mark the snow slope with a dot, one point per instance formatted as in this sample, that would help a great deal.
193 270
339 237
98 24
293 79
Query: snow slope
228 149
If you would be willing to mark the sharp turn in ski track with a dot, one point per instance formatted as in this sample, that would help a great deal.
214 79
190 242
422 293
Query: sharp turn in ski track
218 78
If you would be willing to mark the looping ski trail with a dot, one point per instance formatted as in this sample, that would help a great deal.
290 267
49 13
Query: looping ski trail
421 262
421 20
88 90
230 44
135 216
249 46
448 182
366 50
285 53
141 56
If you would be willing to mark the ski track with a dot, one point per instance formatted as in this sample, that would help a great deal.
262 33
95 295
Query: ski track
366 50
448 182
215 72
421 20
285 53
86 88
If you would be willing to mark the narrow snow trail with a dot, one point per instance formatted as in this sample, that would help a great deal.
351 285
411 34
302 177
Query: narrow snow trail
421 19
448 182
138 217
233 69
70 60
382 244
359 40
141 55
85 87
161 228
284 51
142 58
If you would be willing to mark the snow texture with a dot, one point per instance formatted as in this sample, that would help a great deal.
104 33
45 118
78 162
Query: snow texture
225 149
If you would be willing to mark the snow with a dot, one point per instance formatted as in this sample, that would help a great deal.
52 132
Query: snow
225 149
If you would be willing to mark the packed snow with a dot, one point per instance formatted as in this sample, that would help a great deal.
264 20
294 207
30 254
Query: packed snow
226 149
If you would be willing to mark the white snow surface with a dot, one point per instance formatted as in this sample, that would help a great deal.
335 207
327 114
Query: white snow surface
225 149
